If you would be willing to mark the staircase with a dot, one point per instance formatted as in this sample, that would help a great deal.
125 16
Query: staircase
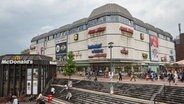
81 97
171 95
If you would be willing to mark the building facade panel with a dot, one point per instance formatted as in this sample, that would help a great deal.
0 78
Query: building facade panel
134 42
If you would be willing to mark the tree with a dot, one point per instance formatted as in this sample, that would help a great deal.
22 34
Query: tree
26 51
70 66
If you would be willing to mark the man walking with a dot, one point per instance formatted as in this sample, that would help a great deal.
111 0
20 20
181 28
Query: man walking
132 76
120 76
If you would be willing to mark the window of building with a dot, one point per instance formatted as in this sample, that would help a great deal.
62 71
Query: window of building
152 33
101 20
125 21
58 35
40 40
108 18
50 37
140 28
114 18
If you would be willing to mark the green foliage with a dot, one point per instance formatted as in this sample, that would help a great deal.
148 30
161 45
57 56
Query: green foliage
26 51
70 66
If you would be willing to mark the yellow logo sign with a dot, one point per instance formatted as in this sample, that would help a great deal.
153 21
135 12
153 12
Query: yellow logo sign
17 58
76 36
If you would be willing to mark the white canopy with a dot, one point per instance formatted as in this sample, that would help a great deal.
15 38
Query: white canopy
180 62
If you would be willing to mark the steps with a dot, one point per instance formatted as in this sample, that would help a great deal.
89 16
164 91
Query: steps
172 95
81 97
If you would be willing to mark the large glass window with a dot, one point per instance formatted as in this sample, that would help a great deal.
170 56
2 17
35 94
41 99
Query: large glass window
84 27
152 33
41 41
50 37
125 21
101 20
140 28
114 19
108 18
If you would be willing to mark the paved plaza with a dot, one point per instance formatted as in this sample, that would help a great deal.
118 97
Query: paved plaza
126 80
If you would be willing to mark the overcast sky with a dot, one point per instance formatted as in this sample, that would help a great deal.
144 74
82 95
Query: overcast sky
21 20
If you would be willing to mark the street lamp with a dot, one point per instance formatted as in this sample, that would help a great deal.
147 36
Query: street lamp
111 71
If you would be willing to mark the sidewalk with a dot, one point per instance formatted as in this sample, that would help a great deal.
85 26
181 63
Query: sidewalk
126 80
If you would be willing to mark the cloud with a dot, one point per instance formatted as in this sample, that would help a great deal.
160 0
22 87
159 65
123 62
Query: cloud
21 20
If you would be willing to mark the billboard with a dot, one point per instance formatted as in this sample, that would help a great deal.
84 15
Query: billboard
154 47
61 48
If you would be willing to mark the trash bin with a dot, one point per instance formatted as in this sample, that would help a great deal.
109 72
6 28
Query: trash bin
49 98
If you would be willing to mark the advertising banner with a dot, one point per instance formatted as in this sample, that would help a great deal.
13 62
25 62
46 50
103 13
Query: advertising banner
29 72
154 47
28 87
61 48
35 81
35 87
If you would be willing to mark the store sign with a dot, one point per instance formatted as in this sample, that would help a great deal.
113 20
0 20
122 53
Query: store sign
76 37
16 62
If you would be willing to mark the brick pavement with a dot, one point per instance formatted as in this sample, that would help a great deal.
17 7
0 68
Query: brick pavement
127 80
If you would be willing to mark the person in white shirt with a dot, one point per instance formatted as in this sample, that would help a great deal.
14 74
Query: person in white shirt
38 99
52 90
69 95
15 100
66 87
175 77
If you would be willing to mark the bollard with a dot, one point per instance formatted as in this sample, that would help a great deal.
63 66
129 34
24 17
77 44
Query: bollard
49 98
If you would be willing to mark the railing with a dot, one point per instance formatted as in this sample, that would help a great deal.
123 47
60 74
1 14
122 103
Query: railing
152 100
47 86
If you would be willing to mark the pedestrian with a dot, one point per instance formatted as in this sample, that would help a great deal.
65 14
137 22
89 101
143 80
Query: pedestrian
38 99
95 80
69 95
132 76
170 77
32 97
120 76
111 74
42 101
52 90
66 87
15 100
10 96
175 77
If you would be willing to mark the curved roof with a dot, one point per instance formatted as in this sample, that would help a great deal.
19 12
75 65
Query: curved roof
139 22
26 57
52 32
168 34
151 27
63 28
110 9
160 31
39 37
79 22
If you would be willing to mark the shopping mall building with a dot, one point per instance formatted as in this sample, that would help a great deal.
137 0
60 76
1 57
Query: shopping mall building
136 45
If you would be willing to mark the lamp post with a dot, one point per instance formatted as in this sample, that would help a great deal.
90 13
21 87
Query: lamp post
111 71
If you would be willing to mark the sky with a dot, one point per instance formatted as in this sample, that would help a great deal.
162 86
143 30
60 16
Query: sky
21 20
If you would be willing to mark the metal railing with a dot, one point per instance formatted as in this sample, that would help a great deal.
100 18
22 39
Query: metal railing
47 86
152 100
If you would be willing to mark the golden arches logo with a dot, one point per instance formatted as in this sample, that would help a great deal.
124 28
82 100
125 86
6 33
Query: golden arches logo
17 58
